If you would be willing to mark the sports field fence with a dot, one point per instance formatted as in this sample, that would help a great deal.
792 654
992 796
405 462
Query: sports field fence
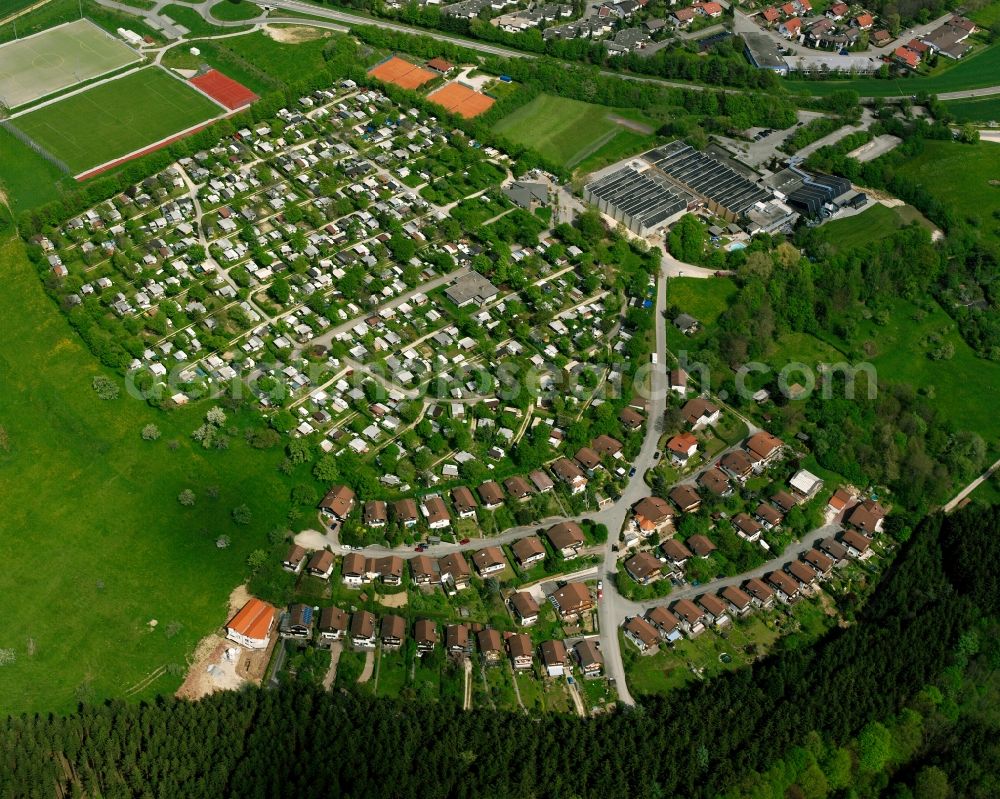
24 138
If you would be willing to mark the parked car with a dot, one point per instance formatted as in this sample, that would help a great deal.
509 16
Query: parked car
464 541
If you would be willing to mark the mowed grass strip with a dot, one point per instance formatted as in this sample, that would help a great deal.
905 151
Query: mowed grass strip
984 109
94 543
564 131
116 118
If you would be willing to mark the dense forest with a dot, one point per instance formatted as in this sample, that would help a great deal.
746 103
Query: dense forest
297 741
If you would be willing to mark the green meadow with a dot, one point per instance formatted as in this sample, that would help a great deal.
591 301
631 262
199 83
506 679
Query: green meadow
95 544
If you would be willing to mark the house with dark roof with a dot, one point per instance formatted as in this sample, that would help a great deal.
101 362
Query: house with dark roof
572 600
528 551
641 633
685 498
295 559
393 631
760 592
453 570
463 502
700 413
436 513
491 494
489 561
490 646
763 448
715 481
332 626
652 515
571 474
375 513
422 570
321 564
643 568
525 607
566 538
405 512
739 601
521 651
338 502
676 552
519 488
666 623
588 655
868 517
701 545
690 617
297 622
362 630
426 636
554 658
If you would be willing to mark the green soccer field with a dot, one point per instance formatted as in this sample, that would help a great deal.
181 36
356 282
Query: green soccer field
565 131
58 58
116 118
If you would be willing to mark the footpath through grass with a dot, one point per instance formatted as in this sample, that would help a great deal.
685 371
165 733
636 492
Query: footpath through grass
115 118
94 543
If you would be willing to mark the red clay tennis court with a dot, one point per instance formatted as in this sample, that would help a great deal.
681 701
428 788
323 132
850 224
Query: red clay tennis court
461 100
224 89
402 73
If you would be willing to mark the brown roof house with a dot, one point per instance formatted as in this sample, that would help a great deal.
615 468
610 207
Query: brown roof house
525 607
338 502
868 516
666 623
571 474
572 600
425 634
490 645
685 498
739 601
715 481
422 570
606 446
763 448
747 528
332 626
760 592
393 631
701 545
521 650
489 561
456 640
588 459
588 655
528 551
354 570
375 513
643 568
454 572
491 494
542 482
700 413
295 559
363 630
321 564
405 512
463 502
652 515
519 488
631 418
436 513
641 633
715 609
737 464
554 658
690 616
566 538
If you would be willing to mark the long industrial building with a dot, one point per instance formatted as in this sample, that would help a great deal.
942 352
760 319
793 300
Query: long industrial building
651 190
640 199
725 191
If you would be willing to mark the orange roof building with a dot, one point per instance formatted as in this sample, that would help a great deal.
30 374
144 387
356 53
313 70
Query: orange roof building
251 627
